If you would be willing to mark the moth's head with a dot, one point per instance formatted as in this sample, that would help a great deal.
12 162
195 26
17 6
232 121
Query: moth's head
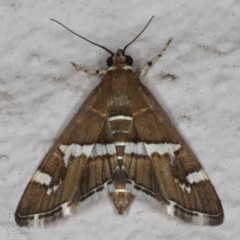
119 60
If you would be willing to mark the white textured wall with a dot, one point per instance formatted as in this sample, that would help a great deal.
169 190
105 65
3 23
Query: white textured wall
40 91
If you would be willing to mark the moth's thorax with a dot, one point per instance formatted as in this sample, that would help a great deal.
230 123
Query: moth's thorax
119 104
119 84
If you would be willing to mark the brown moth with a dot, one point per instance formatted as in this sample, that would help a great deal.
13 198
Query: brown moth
121 143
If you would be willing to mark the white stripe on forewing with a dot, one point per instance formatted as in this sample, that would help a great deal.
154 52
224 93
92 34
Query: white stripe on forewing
42 178
163 148
75 150
92 151
103 149
197 176
140 148
120 117
148 149
137 148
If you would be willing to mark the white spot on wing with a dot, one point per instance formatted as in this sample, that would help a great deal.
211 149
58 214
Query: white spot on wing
49 191
170 208
183 186
120 117
36 220
53 189
197 176
42 178
200 218
65 209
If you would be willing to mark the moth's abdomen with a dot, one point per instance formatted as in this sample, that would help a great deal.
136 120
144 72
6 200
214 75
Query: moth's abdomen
120 125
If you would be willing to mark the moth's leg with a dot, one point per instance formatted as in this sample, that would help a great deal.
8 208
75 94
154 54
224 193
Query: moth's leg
149 64
98 72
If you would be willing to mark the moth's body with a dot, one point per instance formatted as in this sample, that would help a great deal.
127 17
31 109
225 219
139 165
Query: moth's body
120 143
118 124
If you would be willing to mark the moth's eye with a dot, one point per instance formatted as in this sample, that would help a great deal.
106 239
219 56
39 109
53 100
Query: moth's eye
129 60
109 61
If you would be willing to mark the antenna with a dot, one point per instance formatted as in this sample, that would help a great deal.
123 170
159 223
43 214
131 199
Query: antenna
84 37
124 49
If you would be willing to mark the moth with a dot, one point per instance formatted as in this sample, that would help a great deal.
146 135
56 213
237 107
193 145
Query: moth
120 143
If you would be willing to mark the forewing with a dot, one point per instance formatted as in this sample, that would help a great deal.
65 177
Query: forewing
162 166
57 186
